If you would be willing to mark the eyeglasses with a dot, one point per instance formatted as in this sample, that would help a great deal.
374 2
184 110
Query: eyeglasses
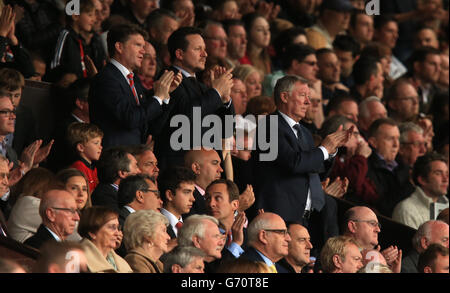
113 227
7 112
371 223
156 192
283 232
72 211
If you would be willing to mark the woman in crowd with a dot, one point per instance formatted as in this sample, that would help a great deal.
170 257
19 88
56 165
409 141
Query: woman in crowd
147 71
146 240
252 79
24 218
258 36
75 182
99 227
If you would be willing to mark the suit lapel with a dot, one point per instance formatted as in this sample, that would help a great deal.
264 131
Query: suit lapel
123 81
288 132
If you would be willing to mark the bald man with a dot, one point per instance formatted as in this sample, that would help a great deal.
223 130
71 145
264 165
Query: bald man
206 166
361 223
299 249
59 214
268 240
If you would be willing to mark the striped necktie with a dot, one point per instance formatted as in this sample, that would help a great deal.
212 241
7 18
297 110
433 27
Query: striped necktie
133 89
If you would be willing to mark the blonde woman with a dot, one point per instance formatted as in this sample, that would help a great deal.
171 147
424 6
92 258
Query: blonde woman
146 240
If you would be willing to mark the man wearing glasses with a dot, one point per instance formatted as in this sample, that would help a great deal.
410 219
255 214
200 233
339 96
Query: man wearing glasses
138 192
59 214
268 241
361 223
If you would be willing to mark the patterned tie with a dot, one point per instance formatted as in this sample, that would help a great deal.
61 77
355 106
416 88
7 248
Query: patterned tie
273 269
133 89
179 225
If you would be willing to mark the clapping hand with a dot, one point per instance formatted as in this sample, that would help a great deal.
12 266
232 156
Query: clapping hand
336 189
237 229
222 80
177 79
163 85
246 199
337 139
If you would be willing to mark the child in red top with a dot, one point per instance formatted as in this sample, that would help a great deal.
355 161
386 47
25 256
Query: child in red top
86 139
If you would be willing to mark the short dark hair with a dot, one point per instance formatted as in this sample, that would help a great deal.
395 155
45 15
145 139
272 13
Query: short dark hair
155 18
296 52
420 55
93 218
392 92
112 161
380 21
429 256
232 189
373 129
364 68
347 43
171 178
227 24
323 51
130 185
422 166
332 124
285 38
354 17
177 39
338 98
85 6
78 90
121 33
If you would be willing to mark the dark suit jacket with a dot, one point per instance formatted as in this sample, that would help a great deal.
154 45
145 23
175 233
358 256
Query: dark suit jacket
123 214
252 255
281 186
25 129
171 232
42 235
105 195
190 93
113 107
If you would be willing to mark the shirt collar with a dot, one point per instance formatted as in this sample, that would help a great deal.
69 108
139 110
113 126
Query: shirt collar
89 165
121 68
53 234
200 190
387 165
291 122
115 186
77 118
426 200
265 258
130 209
184 72
172 219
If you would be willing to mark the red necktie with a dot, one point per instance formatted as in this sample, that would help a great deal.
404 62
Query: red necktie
229 238
133 89
83 66
179 225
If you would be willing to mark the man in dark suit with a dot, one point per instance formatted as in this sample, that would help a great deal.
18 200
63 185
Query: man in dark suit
114 165
137 192
188 55
116 101
176 186
268 241
288 183
59 214
206 166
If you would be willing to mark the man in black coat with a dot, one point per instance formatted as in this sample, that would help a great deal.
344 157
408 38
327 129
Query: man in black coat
268 241
188 55
59 214
116 100
114 165
286 171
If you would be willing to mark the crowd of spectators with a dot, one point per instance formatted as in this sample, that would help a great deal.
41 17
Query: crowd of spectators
361 103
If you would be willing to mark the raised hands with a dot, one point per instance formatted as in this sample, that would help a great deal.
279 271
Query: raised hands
177 79
337 139
268 10
336 189
237 229
163 84
246 199
222 80
28 155
363 148
43 152
8 24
